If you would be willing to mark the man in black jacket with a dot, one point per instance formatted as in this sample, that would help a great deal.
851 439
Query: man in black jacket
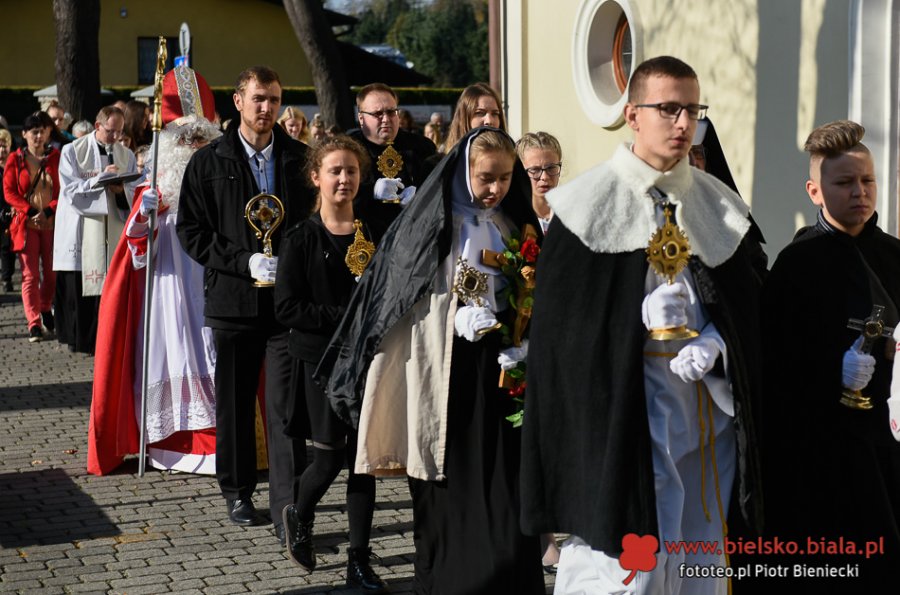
379 132
252 158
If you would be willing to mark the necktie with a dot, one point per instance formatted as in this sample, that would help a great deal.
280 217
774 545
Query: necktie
262 179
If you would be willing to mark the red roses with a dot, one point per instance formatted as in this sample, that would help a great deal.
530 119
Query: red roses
530 250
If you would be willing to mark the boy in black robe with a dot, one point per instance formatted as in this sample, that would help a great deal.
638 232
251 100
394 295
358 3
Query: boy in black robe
831 466
613 443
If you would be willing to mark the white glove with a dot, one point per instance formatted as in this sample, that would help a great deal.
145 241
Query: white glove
894 401
858 367
471 319
511 356
696 359
407 195
149 201
388 188
263 268
894 416
665 306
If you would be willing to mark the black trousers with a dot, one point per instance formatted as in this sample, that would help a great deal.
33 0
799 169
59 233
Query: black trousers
240 355
76 315
7 256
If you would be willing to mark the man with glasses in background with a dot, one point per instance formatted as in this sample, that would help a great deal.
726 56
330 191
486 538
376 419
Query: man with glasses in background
641 385
398 157
94 203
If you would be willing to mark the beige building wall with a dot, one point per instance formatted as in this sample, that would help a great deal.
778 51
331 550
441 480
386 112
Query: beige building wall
770 71
218 52
227 36
27 59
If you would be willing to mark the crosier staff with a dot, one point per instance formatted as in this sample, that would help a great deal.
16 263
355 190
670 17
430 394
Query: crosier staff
148 292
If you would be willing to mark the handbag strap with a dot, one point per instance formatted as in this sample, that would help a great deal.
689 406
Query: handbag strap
37 178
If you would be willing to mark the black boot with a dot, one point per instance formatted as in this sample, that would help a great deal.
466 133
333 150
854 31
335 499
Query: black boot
360 574
299 539
48 322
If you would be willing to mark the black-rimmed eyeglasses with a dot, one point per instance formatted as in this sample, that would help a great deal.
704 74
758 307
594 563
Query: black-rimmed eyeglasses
672 110
552 170
390 113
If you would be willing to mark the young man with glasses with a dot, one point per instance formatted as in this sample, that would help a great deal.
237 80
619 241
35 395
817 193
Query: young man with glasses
626 434
379 131
90 217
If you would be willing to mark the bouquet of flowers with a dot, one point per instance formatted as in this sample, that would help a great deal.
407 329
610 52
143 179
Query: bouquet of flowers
517 263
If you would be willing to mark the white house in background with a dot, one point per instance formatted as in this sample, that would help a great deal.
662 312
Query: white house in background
770 70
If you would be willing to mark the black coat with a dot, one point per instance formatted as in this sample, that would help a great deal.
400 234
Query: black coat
586 452
831 471
313 287
403 272
415 151
212 229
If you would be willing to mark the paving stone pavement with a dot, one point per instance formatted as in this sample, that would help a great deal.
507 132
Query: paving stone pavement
65 531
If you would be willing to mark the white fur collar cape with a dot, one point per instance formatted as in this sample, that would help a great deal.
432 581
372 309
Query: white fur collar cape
610 210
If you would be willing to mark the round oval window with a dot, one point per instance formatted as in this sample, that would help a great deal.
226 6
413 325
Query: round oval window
605 49
622 52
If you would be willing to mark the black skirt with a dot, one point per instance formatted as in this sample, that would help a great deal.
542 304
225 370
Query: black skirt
466 527
312 416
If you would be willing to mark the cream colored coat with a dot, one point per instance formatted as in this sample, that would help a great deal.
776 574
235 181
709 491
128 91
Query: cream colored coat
403 420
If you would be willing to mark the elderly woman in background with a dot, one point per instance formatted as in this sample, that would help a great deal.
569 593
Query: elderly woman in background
81 127
293 120
31 187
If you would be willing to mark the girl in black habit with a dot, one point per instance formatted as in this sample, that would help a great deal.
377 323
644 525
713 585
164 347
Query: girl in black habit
320 262
415 364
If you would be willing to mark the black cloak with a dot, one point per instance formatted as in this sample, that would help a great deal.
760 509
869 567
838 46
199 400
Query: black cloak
402 272
716 164
586 454
831 472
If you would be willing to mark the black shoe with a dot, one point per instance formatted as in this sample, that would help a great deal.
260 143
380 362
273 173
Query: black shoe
242 512
360 573
35 334
7 286
279 533
299 539
48 322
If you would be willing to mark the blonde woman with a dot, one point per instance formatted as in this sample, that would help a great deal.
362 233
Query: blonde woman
294 122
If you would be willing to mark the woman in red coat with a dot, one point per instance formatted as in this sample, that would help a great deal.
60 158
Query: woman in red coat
31 186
